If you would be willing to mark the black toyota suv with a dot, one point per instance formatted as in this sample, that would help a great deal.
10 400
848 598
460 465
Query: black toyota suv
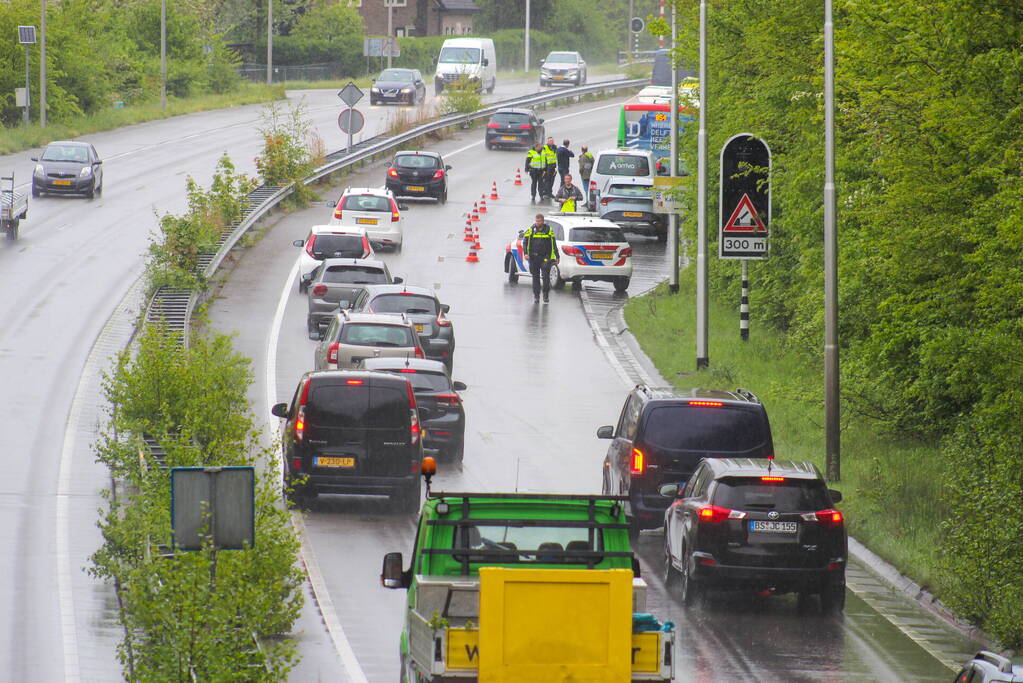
352 432
662 434
756 524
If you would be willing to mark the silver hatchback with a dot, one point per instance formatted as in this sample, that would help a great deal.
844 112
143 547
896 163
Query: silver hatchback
351 338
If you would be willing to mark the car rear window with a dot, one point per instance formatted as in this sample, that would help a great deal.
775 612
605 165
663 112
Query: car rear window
644 191
366 202
509 117
338 246
415 161
355 275
403 303
791 495
426 381
623 165
596 235
377 334
698 428
351 406
531 541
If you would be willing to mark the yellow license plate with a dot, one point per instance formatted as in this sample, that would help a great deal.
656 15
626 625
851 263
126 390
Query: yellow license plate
559 78
419 328
602 255
61 182
366 221
509 137
323 461
416 188
632 214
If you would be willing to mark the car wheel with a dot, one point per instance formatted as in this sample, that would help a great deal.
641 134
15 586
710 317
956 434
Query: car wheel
605 485
670 573
91 193
833 598
443 199
577 285
633 531
688 587
490 147
397 248
622 284
556 281
99 190
457 454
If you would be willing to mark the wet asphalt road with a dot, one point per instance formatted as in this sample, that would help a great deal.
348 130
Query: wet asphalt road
538 387
60 282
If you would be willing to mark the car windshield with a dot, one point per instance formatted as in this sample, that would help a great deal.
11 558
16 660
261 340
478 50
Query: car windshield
641 191
366 202
531 542
395 76
791 495
596 235
374 334
355 275
338 246
623 164
697 428
75 153
459 55
509 118
415 161
403 303
561 58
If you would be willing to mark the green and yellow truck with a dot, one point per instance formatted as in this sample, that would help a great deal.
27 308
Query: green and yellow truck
512 587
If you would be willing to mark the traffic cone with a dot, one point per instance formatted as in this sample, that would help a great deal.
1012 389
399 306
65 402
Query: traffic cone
472 257
475 213
483 203
493 191
518 176
468 231
476 238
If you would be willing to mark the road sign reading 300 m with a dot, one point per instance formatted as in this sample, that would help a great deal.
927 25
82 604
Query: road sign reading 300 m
745 198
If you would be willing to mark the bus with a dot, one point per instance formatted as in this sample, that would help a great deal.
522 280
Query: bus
645 121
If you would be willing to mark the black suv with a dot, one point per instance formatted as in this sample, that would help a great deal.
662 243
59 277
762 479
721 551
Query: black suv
352 432
662 434
418 174
988 667
759 524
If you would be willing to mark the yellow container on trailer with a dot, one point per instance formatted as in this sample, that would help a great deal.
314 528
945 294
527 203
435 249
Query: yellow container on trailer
555 625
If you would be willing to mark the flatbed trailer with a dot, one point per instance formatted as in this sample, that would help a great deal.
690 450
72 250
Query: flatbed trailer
13 208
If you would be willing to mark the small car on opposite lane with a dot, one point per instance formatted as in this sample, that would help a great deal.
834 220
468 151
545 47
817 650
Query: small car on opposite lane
68 167
335 283
563 68
422 307
329 241
376 211
418 174
590 248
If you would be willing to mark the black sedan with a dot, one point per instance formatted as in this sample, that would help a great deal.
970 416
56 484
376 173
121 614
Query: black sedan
418 174
440 407
398 86
68 168
514 128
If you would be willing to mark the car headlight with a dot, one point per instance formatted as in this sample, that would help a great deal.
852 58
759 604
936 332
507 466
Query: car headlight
406 90
40 169
374 89
86 171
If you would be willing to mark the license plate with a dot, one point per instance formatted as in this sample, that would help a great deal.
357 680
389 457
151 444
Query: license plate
509 137
61 182
323 461
415 188
419 328
602 255
366 221
764 526
559 78
632 214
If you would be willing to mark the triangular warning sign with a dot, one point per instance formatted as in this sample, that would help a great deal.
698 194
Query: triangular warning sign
745 218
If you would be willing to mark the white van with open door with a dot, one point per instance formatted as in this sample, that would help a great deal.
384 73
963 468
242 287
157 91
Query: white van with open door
473 58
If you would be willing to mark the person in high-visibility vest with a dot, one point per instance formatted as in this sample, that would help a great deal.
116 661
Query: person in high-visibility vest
541 246
550 155
536 165
569 195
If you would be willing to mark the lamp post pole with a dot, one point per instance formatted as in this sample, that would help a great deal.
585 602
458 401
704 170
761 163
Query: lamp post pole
269 42
390 31
673 165
42 65
525 60
702 358
831 393
163 54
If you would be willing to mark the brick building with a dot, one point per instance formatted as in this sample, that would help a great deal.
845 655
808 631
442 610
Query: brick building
418 17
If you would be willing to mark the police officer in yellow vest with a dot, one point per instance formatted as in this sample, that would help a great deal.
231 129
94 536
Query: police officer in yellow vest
541 247
550 156
536 164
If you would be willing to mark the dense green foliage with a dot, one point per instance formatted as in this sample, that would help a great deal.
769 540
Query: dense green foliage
104 52
929 174
202 615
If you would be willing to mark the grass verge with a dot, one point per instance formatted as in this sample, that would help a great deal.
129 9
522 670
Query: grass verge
27 137
891 487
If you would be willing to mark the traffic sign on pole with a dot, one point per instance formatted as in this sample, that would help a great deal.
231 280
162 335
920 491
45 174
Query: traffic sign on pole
636 24
745 198
350 94
350 121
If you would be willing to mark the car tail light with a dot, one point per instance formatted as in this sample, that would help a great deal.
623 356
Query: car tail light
395 216
772 479
415 467
411 370
438 174
448 400
626 252
570 250
442 321
419 352
714 514
337 211
391 173
296 464
309 245
706 404
638 462
353 382
493 125
300 424
320 289
365 245
525 126
605 201
332 353
827 517
413 415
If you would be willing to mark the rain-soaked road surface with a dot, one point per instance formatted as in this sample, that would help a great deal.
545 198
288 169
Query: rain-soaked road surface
539 386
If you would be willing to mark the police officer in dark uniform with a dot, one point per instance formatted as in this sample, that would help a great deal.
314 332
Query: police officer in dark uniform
540 245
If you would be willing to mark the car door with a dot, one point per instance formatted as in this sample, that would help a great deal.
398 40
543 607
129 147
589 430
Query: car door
620 450
685 513
97 167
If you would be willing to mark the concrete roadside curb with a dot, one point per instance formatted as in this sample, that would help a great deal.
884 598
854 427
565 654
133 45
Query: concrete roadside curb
625 354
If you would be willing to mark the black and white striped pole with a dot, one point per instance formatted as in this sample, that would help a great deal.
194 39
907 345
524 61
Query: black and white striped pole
744 303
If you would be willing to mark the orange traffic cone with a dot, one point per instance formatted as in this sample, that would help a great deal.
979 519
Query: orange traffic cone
468 231
483 203
472 257
518 176
476 238
493 191
475 212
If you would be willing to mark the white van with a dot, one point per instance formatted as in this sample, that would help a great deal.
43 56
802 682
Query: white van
627 162
474 58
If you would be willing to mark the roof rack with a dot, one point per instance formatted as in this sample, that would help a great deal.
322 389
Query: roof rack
747 394
1004 664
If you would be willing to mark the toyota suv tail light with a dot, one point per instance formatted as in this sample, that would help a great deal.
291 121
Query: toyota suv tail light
638 463
715 514
827 517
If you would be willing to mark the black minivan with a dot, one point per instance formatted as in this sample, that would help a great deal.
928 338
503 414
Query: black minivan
352 432
662 434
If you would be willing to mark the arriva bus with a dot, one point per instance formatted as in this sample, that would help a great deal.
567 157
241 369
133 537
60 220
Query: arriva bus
645 123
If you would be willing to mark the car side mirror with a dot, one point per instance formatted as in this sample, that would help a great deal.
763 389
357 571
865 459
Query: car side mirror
97 163
606 432
836 496
280 410
447 167
445 308
542 61
540 120
669 490
397 280
459 386
392 575
486 62
299 243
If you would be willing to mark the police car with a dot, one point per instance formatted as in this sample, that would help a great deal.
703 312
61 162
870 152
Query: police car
590 248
